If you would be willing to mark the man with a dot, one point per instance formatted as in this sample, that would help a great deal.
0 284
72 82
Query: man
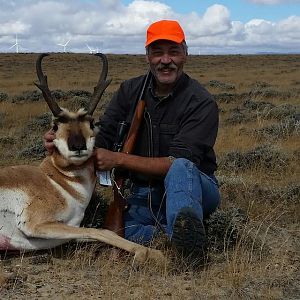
172 167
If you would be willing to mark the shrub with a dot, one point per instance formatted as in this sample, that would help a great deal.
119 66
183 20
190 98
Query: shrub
257 105
225 97
235 190
58 94
40 122
36 125
33 152
3 96
269 93
224 227
284 111
7 140
221 85
291 193
238 116
285 128
264 156
28 96
78 102
260 85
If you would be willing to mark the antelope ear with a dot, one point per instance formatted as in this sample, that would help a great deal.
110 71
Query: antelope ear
54 127
54 123
92 125
96 129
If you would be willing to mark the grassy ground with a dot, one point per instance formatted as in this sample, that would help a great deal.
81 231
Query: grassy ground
255 237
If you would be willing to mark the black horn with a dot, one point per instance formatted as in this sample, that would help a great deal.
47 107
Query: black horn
43 86
101 85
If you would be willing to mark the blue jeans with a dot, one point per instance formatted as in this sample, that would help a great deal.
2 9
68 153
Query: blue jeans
154 209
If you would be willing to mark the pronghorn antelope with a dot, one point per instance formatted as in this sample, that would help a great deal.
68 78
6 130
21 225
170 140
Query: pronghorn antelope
42 207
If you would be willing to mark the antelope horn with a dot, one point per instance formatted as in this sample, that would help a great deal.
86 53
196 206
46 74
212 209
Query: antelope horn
101 85
43 86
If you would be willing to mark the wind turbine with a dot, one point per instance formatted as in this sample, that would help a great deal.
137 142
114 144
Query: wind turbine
16 45
91 50
64 45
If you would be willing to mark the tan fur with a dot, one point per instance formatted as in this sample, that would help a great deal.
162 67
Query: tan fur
42 206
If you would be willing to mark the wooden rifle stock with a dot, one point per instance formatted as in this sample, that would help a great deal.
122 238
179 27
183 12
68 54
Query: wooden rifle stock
114 220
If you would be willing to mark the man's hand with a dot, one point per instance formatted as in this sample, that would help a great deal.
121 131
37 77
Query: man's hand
105 160
49 137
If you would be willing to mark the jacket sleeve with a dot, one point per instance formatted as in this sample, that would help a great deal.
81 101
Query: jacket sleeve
197 131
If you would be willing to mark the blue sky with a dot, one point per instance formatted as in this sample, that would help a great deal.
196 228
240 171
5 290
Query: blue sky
119 26
241 10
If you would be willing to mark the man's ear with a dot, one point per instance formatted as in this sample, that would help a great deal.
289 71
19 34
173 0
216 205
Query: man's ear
147 58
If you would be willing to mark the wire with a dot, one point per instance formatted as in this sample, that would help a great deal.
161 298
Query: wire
157 222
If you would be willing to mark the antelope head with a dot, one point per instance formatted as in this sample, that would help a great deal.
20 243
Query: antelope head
74 131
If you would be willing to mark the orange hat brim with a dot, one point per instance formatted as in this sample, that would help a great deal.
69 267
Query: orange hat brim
172 38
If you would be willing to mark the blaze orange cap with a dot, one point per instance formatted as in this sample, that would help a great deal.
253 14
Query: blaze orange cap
165 30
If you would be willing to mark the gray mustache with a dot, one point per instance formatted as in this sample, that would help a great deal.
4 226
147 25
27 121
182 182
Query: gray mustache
166 67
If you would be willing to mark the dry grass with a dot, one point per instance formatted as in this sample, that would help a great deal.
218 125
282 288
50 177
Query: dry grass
258 259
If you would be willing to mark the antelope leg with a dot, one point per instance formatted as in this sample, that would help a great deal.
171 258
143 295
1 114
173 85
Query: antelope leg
63 231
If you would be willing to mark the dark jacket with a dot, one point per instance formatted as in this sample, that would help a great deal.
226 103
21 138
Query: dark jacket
183 124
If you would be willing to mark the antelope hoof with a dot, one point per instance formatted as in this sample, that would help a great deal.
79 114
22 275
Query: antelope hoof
143 255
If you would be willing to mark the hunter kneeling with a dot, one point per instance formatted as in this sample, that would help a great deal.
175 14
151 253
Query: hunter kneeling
168 152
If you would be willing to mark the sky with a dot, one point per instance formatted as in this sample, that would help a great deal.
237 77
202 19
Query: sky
119 26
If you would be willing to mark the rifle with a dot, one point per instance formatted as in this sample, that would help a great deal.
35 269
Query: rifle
114 216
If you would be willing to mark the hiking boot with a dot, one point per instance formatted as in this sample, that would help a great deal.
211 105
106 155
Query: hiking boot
189 236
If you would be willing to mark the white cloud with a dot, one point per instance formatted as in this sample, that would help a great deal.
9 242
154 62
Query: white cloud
259 27
216 20
137 16
13 27
114 27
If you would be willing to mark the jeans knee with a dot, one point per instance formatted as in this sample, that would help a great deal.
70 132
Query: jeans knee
180 164
179 168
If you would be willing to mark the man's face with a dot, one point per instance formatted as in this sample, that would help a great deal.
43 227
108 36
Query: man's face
166 60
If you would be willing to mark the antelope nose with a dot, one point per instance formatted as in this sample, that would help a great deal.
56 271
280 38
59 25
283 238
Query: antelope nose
76 142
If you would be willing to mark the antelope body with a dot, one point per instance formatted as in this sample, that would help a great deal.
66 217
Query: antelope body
42 207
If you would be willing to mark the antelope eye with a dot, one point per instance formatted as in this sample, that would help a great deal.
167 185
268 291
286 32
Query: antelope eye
55 127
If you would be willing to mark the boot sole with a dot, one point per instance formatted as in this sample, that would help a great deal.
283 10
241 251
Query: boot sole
189 236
